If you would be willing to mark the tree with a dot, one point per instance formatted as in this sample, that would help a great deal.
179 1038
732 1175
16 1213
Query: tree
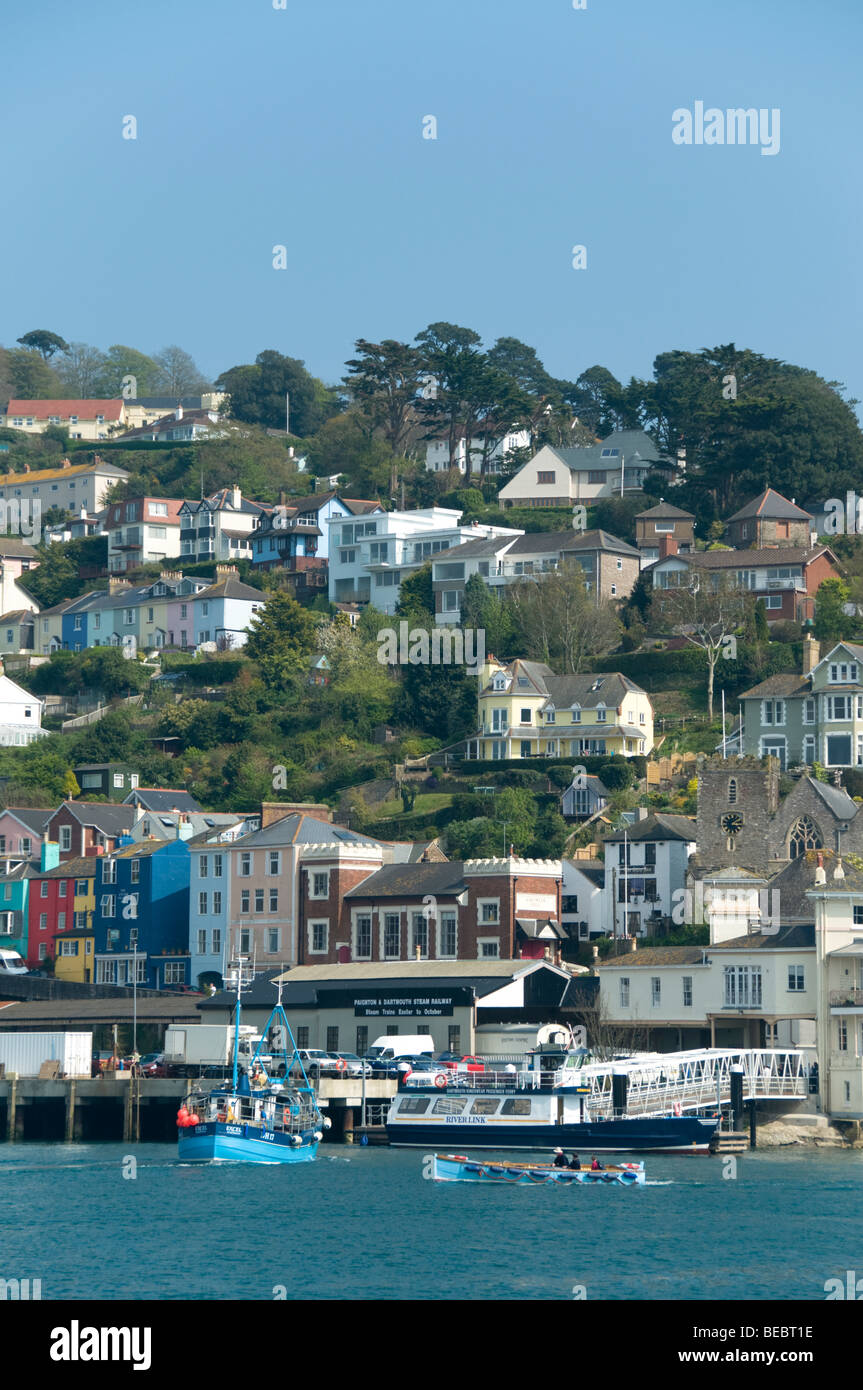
344 445
282 640
120 362
832 623
560 623
26 375
707 617
177 373
44 342
81 370
416 595
452 365
258 394
385 379
485 610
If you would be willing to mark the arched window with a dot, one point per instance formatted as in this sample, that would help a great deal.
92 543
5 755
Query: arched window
804 835
732 790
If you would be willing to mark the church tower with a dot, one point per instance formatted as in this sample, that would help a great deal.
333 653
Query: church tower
737 798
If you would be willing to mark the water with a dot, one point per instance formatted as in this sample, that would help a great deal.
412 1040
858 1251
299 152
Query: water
362 1223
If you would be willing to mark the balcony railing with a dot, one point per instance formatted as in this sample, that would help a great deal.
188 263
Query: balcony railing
853 998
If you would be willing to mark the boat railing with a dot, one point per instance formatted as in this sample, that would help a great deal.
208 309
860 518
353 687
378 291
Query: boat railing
291 1117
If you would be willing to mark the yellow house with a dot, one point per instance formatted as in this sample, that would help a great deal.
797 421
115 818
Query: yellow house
73 949
526 711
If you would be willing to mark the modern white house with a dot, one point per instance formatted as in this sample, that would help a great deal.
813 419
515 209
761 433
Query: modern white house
20 715
371 555
71 486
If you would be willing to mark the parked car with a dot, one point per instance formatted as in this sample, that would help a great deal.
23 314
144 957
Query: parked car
458 1061
11 963
354 1065
317 1062
154 1064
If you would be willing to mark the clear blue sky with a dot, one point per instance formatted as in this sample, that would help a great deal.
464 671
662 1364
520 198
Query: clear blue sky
303 126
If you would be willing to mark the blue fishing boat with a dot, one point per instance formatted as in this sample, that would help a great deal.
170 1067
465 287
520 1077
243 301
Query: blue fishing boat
460 1168
256 1117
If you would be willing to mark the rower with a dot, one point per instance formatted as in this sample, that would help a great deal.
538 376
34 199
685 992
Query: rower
596 1166
559 1160
575 1162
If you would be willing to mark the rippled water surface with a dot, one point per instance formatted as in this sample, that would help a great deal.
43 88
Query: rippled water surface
364 1223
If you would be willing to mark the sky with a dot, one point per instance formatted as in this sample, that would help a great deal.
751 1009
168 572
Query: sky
303 127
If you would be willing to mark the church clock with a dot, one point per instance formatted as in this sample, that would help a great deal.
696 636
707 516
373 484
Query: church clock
731 822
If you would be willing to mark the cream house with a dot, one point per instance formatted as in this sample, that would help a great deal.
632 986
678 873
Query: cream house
526 711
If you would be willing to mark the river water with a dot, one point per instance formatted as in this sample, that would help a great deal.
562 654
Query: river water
111 1221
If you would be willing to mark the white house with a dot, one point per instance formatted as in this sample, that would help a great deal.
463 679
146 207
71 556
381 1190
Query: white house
20 714
371 555
438 456
582 898
645 866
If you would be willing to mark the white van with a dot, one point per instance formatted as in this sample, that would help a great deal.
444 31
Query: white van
387 1048
12 964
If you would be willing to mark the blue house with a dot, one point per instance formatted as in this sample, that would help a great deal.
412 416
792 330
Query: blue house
77 622
142 915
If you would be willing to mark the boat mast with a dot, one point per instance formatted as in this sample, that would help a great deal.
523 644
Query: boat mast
239 978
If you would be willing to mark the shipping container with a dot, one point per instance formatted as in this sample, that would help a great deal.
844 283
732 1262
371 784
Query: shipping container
24 1053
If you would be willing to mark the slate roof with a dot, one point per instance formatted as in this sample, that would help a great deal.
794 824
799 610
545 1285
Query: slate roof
300 828
757 559
632 444
110 819
787 684
772 505
657 827
594 869
162 799
836 799
538 543
664 509
34 817
412 880
73 868
232 587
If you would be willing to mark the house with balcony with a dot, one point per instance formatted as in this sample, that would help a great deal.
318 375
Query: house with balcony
609 566
786 579
585 797
370 557
664 530
558 477
526 711
813 717
142 531
771 521
141 915
645 866
219 527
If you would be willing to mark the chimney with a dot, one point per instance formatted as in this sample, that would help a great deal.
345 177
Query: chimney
27 466
67 463
115 585
236 497
226 570
178 413
633 943
811 653
667 546
820 875
419 952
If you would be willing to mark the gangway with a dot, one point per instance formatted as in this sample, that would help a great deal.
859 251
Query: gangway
672 1082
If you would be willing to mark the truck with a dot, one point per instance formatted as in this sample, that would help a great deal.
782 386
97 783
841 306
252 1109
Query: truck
189 1050
25 1054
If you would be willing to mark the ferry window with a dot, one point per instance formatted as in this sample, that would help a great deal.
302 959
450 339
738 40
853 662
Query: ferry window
485 1105
450 1105
520 1105
413 1105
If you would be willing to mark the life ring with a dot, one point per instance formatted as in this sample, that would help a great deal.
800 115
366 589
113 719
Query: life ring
676 1107
341 1064
440 1080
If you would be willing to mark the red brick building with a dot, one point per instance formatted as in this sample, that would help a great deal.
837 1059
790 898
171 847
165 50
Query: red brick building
480 909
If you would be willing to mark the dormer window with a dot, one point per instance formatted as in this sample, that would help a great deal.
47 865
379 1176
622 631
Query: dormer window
549 716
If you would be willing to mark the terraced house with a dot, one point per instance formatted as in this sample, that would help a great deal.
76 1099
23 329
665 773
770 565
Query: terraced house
813 717
526 711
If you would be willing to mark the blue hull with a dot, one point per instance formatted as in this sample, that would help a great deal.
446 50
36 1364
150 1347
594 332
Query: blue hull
642 1134
213 1141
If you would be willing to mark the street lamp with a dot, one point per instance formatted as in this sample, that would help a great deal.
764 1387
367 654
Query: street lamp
287 412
